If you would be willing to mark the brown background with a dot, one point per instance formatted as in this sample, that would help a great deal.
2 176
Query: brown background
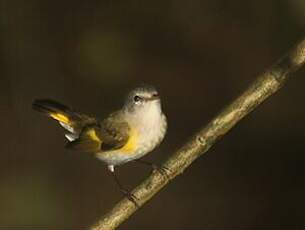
200 55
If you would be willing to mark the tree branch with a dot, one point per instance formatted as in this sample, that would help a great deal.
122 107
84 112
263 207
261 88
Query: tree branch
264 86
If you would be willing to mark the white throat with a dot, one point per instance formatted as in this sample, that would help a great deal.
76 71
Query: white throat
147 117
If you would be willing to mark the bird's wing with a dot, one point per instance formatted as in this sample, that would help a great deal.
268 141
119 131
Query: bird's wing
111 134
115 132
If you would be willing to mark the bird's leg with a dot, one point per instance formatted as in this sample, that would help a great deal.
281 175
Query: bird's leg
123 190
162 169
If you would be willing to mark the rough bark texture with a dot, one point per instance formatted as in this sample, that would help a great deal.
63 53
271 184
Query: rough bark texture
264 86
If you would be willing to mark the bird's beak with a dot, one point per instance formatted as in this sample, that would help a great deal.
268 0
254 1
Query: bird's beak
153 98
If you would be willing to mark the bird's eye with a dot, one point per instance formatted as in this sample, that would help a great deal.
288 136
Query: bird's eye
137 98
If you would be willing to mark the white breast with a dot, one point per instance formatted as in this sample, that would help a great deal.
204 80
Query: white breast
152 135
151 127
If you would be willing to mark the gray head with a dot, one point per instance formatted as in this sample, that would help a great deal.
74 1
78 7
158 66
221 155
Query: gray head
142 99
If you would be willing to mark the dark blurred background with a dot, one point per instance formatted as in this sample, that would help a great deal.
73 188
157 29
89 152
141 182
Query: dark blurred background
200 55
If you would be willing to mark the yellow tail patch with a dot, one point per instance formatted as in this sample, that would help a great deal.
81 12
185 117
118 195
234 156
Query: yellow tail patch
60 117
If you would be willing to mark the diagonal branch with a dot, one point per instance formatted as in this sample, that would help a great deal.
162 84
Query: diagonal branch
264 86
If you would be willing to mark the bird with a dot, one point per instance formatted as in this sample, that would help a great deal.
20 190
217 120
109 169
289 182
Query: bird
125 135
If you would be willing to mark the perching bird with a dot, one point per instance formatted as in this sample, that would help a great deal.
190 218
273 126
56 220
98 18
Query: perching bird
125 135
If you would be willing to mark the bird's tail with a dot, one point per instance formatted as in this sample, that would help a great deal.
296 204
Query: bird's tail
68 118
55 110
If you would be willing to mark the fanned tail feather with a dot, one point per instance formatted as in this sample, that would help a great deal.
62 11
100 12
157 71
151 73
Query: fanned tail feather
54 109
72 121
83 134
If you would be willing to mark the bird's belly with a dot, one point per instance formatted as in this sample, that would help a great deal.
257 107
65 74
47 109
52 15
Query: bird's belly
118 157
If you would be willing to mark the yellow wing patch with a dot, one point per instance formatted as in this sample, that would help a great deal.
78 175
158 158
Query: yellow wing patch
88 142
92 134
131 144
60 117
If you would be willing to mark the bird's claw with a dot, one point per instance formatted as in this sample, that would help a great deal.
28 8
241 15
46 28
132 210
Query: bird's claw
130 197
162 170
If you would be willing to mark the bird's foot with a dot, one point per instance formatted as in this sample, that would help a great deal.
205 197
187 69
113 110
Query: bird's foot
130 197
164 171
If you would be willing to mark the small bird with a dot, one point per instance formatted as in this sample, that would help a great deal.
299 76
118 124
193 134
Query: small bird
125 135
